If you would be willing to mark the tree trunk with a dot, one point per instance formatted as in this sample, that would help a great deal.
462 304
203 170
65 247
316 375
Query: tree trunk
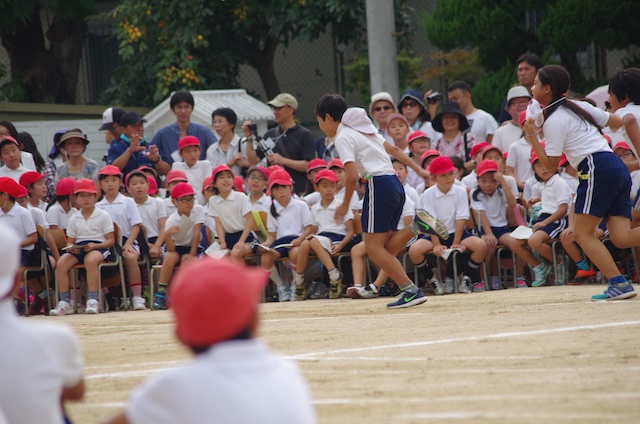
267 70
570 62
67 39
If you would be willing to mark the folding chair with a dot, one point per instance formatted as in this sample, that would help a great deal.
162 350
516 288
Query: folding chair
41 245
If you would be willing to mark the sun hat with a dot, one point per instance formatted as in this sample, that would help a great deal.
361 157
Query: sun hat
65 186
450 107
10 254
441 165
85 185
181 190
486 166
74 133
383 95
326 174
517 91
357 119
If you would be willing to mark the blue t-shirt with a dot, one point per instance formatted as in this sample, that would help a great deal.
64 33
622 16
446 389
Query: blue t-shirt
138 159
167 140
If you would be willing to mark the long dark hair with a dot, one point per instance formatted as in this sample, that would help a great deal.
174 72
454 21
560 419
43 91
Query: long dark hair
11 128
29 145
559 80
57 199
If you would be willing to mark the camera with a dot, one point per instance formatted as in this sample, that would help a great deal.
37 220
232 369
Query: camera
434 97
253 128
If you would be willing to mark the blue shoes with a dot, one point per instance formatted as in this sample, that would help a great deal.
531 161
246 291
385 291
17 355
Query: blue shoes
159 301
407 299
616 291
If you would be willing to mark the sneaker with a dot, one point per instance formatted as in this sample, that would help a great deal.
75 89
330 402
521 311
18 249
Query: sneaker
313 288
437 285
300 290
521 283
541 272
448 286
359 292
496 284
560 279
617 291
321 292
406 299
159 301
35 305
582 276
464 284
478 287
63 308
283 294
424 223
292 292
139 303
335 288
92 307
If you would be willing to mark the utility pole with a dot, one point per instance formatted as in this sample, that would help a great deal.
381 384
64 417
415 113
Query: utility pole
381 39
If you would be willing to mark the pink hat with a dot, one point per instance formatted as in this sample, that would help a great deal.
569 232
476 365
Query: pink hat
563 160
486 166
137 171
441 165
6 138
262 169
30 177
416 135
477 147
23 192
326 174
207 182
188 141
153 185
335 163
619 145
176 175
534 155
398 116
426 155
238 183
218 169
182 189
203 320
85 185
65 186
315 164
357 119
606 137
490 147
110 170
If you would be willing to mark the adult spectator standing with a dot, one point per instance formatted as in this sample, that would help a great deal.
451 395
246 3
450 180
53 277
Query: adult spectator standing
293 143
483 125
518 98
167 138
527 67
131 150
110 126
229 150
381 106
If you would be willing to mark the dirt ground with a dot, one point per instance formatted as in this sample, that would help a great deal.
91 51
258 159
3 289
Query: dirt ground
537 355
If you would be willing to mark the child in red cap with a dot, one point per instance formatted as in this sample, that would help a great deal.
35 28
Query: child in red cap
173 177
196 170
10 155
62 208
36 187
151 209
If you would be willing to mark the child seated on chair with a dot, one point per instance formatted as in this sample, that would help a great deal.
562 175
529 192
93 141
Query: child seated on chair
208 230
329 237
173 177
93 230
151 210
182 242
61 207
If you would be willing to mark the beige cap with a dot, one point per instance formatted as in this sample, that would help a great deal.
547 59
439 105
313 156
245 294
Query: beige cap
74 133
284 99
517 91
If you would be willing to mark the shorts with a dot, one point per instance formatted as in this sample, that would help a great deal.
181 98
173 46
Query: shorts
106 253
636 205
448 242
555 228
604 186
232 238
603 227
382 204
284 251
185 250
135 244
499 231
29 258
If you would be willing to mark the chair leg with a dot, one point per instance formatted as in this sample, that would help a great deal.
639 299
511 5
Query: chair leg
25 288
125 294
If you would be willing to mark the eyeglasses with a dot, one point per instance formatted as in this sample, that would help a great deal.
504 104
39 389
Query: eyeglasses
410 103
187 199
254 178
379 108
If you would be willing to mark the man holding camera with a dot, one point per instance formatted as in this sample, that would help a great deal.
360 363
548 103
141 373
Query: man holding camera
293 147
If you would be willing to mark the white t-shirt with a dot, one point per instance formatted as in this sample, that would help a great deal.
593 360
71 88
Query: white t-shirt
197 216
505 136
27 161
447 208
151 211
39 217
565 132
231 211
518 159
555 192
56 215
470 181
123 211
234 382
39 360
410 193
195 175
5 171
495 206
635 184
95 228
21 220
482 124
323 218
291 220
630 109
365 150
408 209
216 156
169 206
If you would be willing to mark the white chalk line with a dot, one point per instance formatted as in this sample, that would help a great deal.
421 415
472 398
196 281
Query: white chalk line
511 334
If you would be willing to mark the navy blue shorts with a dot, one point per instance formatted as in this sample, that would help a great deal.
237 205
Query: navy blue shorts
382 204
604 186
448 242
603 227
337 238
106 253
498 231
636 205
232 238
185 250
284 251
555 228
30 258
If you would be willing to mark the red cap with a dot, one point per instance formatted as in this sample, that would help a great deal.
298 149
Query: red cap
534 156
477 147
280 177
315 164
181 190
208 181
85 185
486 166
490 147
9 138
30 177
262 169
238 183
619 145
522 117
218 169
417 134
134 172
176 175
202 319
426 155
188 141
23 192
608 139
273 168
441 165
9 186
153 185
335 163
326 174
110 170
505 154
65 186
146 168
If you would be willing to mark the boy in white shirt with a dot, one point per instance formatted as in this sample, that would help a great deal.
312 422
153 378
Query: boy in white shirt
10 155
518 158
195 170
151 209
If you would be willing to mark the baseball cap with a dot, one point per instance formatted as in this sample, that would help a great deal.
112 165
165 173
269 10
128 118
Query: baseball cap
262 169
335 163
218 169
522 118
182 189
130 118
65 186
621 145
8 139
10 254
486 166
30 177
110 170
490 147
534 155
426 155
238 183
207 182
441 165
74 133
280 177
416 135
188 141
85 185
517 91
398 116
146 168
23 192
383 95
315 164
9 186
203 319
153 185
136 171
477 147
175 175
563 160
284 99
109 117
326 174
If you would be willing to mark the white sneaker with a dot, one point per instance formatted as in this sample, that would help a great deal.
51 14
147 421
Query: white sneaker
283 294
464 284
63 308
292 292
448 286
92 307
139 303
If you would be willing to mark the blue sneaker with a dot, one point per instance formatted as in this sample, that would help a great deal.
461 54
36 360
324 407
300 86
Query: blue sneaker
424 223
159 301
617 291
406 299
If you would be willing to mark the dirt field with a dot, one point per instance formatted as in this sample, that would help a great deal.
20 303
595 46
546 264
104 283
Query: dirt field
543 355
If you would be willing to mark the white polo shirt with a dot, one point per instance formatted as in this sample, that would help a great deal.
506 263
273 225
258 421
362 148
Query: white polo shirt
39 218
234 382
95 228
123 211
532 188
482 124
263 204
518 159
471 182
323 218
231 211
39 360
169 206
506 135
555 192
312 199
151 211
411 193
365 150
21 221
197 216
630 109
13 173
56 215
291 220
447 208
408 209
195 175
494 206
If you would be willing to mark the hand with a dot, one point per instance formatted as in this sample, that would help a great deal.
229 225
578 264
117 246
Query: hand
529 128
490 239
188 258
335 249
222 244
238 246
275 159
296 242
88 248
538 225
154 252
439 250
237 158
567 234
172 230
341 211
128 248
154 153
458 246
134 145
499 178
424 174
245 129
